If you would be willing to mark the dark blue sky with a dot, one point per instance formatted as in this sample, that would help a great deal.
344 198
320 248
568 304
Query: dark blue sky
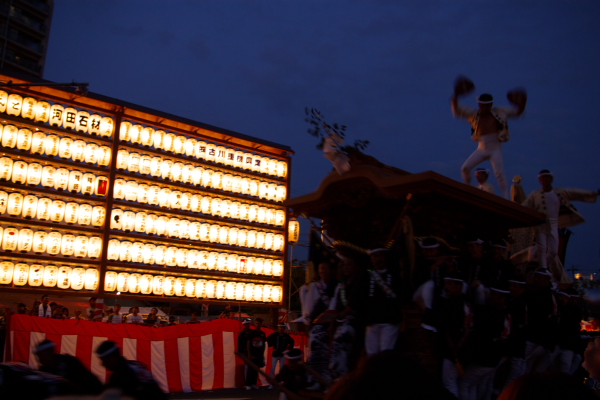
383 68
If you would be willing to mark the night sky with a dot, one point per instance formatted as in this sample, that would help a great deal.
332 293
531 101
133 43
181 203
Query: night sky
383 68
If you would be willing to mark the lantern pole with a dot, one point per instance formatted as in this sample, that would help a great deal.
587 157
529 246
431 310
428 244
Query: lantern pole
291 261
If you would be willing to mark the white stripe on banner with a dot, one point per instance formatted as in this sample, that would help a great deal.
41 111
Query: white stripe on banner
130 348
183 349
208 367
97 367
68 345
261 379
34 339
228 360
159 368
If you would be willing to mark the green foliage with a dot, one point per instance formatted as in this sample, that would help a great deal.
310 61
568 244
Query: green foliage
322 130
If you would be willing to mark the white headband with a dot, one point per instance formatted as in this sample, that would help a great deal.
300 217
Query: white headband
546 174
45 346
109 351
431 246
299 356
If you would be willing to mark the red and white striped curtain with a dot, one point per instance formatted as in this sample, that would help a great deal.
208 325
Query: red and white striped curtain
182 358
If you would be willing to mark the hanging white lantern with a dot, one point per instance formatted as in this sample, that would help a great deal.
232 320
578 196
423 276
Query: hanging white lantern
200 288
135 134
159 255
184 227
278 242
164 197
75 181
211 260
128 221
249 292
57 210
14 105
277 268
281 169
95 247
248 161
142 193
161 225
262 215
244 213
179 144
107 127
125 251
276 294
98 216
229 157
171 256
87 184
182 257
77 278
238 159
190 147
221 261
3 100
263 190
36 275
272 192
258 293
266 296
215 206
82 121
122 159
94 124
140 222
293 231
240 291
81 246
114 250
281 193
232 238
67 247
279 218
61 179
211 152
151 221
205 205
165 168
145 164
220 291
254 184
177 172
10 133
207 177
224 235
157 285
237 184
180 286
64 148
39 242
137 252
133 163
133 283
250 264
169 286
69 118
146 283
91 279
24 139
173 227
43 209
228 182
78 148
147 136
19 173
56 114
232 263
84 216
234 210
6 165
25 240
51 145
187 172
193 259
168 140
122 281
20 275
71 213
205 232
119 190
272 166
50 276
242 264
29 108
190 288
217 180
3 201
256 163
42 111
264 165
148 253
203 259
268 267
64 277
15 203
252 239
125 131
242 238
269 241
38 143
200 152
157 139
153 195
110 281
34 174
196 177
210 289
259 266
29 206
214 233
131 191
195 203
104 154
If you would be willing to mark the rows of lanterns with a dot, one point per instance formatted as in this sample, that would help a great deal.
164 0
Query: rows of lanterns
200 176
27 240
173 256
77 278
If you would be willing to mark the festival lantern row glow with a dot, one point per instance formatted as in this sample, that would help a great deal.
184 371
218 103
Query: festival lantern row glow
124 282
26 240
63 277
34 174
53 145
183 145
55 114
172 256
45 209
215 180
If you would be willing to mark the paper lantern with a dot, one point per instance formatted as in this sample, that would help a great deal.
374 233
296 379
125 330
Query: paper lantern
85 214
42 111
51 145
125 131
281 193
278 243
264 165
269 241
19 173
224 235
91 279
36 275
81 246
107 127
281 169
94 247
75 181
266 295
240 289
234 210
272 192
242 237
177 172
238 159
179 144
203 259
10 133
145 164
253 213
215 206
77 278
125 251
175 199
140 222
200 289
64 148
228 182
20 274
131 191
168 140
230 290
88 183
279 218
146 283
232 263
276 294
159 255
214 233
259 266
157 285
50 276
262 215
211 152
122 281
250 264
69 118
155 166
211 260
182 258
190 147
171 256
254 187
57 210
195 203
38 143
161 225
180 284
293 231
210 289
258 293
263 190
242 264
249 292
225 210
14 105
64 277
147 136
39 242
3 201
277 268
43 209
173 227
220 291
205 232
78 150
82 121
133 283
244 213
67 247
142 193
164 197
221 261
25 240
94 124
135 134
196 175
34 174
56 114
24 139
133 162
184 227
187 172
268 267
229 157
217 180
61 179
207 177
119 190
29 206
237 184
148 253
153 195
252 239
232 238
29 108
3 100
15 204
104 154
122 159
98 216
128 221
151 221
247 161
169 286
137 252
157 139
110 281
193 259
6 165
165 168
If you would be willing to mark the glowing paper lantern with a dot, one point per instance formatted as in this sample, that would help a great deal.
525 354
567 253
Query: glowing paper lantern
147 136
177 172
110 281
98 216
193 259
133 283
67 247
6 165
249 292
228 182
171 256
29 108
268 267
242 237
29 206
269 241
169 286
211 261
64 148
155 166
157 139
145 164
24 139
278 243
122 159
64 277
220 290
157 285
77 278
38 143
25 240
259 266
87 184
51 145
81 246
277 268
252 239
143 191
34 174
133 163
14 105
107 127
3 201
20 275
179 144
276 294
135 134
78 150
146 283
122 281
82 121
180 284
164 197
91 279
85 214
161 225
50 276
36 275
56 114
188 170
94 124
15 203
266 295
119 190
140 222
190 147
207 177
232 239
94 247
151 222
184 227
165 168
42 111
137 252
293 231
168 140
125 251
104 154
258 293
128 223
159 255
224 235
182 257
39 242
43 209
19 174
69 118
272 192
148 253
61 179
10 133
153 195
131 191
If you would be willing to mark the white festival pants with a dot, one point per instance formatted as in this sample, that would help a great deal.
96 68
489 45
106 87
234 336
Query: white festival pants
489 148
547 243
380 337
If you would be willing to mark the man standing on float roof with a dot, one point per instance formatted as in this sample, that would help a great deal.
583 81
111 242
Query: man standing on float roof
489 128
